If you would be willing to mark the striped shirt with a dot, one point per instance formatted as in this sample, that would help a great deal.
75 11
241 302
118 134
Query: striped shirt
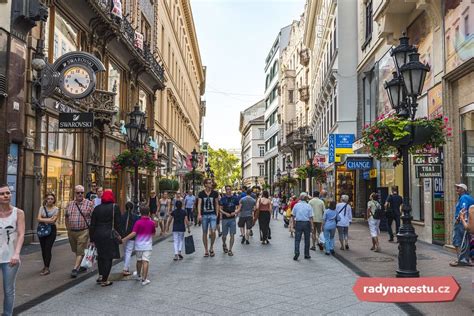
75 221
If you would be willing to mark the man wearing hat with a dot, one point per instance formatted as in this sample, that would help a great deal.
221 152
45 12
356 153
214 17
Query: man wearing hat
461 236
303 217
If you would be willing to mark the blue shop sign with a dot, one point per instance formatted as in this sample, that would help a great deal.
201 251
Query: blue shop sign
366 175
332 151
359 164
344 140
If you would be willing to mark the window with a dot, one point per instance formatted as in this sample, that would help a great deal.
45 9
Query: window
261 150
146 30
261 131
466 25
368 20
261 169
56 47
334 36
65 33
114 85
291 96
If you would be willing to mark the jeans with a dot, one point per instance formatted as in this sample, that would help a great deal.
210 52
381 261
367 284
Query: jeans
302 227
9 277
343 233
390 220
129 246
189 212
329 239
178 239
276 210
461 240
209 220
47 246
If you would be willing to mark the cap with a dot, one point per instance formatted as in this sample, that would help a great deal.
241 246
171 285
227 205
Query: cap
462 186
303 195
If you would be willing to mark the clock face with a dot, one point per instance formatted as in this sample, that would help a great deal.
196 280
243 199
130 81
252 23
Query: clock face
77 81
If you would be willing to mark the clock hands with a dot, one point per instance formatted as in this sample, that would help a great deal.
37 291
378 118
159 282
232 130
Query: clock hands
80 84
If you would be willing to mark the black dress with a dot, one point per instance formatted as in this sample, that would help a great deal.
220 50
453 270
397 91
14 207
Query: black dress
100 230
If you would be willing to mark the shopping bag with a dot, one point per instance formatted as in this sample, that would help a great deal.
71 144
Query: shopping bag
90 255
189 244
321 238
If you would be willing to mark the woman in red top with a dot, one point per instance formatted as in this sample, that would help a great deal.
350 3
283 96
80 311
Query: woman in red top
263 214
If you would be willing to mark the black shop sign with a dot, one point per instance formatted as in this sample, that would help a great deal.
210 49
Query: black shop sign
429 171
76 120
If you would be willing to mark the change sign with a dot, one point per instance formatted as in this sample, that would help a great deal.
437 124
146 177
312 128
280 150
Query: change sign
429 171
76 120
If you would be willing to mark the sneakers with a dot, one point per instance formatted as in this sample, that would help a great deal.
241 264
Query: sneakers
243 240
247 242
74 273
146 282
136 276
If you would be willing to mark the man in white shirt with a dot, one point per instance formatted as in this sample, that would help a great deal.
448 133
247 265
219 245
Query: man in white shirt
318 210
275 206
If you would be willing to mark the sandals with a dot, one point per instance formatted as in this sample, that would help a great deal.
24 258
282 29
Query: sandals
206 254
126 273
230 253
45 272
176 258
180 257
211 253
224 248
99 280
108 283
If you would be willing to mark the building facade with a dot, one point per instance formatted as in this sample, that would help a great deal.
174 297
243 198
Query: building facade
126 37
329 36
252 130
272 103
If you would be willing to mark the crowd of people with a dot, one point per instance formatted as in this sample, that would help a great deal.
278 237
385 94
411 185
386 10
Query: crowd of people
95 219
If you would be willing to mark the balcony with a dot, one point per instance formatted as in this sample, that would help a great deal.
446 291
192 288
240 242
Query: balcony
304 57
304 93
296 136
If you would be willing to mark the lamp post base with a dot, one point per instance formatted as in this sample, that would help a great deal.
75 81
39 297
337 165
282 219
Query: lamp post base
406 247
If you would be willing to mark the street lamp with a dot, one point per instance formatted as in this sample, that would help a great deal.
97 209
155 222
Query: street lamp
310 155
194 161
278 174
208 170
288 173
256 181
403 91
137 135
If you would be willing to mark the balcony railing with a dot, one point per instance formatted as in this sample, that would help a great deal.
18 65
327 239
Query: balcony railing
304 93
304 57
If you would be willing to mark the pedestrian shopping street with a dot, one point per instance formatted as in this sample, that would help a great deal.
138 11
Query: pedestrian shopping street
257 280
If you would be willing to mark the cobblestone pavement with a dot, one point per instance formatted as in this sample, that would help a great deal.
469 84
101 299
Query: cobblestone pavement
257 280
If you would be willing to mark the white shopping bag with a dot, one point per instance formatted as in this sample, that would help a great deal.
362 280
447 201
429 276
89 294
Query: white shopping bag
89 257
321 238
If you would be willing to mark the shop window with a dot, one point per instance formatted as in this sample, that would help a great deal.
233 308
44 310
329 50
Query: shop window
59 144
467 125
66 33
59 181
142 100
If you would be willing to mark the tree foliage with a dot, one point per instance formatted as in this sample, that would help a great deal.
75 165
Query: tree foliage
226 167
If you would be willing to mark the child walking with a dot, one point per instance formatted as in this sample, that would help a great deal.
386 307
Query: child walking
143 230
180 222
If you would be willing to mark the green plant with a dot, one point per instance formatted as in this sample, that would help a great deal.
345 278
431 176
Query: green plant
196 175
174 185
317 173
165 184
382 136
127 160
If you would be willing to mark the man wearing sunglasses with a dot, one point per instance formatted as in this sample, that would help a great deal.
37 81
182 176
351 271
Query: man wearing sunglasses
78 218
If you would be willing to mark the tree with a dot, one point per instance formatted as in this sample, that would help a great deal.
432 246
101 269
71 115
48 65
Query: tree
226 167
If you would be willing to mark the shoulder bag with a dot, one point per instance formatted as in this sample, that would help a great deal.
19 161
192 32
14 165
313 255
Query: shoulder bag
44 229
342 209
85 220
379 212
114 235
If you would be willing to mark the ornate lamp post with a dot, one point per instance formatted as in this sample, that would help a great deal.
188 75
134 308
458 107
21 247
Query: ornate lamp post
403 91
309 164
288 173
194 161
256 181
137 135
278 175
208 170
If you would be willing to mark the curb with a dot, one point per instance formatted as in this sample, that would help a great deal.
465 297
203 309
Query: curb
45 296
406 307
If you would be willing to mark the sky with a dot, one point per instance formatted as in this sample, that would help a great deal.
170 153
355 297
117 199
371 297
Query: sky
235 37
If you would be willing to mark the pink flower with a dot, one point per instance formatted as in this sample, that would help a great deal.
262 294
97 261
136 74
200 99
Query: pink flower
450 129
446 119
376 144
449 134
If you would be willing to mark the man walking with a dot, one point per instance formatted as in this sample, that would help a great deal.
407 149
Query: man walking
247 209
208 210
461 236
78 218
393 206
229 210
275 206
303 215
318 211
189 202
93 192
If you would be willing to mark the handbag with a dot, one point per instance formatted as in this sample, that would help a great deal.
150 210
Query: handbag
189 245
114 235
43 229
90 255
379 212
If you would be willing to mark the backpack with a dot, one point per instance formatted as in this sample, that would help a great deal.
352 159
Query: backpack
379 212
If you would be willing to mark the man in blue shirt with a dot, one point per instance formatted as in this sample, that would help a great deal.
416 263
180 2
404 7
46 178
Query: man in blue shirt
303 217
461 236
189 203
229 209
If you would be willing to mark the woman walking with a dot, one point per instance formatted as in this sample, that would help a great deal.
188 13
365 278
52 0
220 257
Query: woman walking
165 210
263 214
48 215
276 203
127 221
372 206
180 222
330 219
344 210
105 218
12 235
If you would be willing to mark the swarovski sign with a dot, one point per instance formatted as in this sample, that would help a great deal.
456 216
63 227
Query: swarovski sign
76 120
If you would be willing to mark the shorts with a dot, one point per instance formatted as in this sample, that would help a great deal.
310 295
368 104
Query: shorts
144 255
228 226
246 221
163 216
209 220
374 227
458 234
79 240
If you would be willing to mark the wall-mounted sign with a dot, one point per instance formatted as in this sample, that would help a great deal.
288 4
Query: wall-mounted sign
323 151
429 171
469 170
76 120
332 148
373 173
359 164
366 175
426 160
344 140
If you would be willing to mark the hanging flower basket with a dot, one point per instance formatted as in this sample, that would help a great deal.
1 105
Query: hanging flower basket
386 135
128 159
195 176
317 173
